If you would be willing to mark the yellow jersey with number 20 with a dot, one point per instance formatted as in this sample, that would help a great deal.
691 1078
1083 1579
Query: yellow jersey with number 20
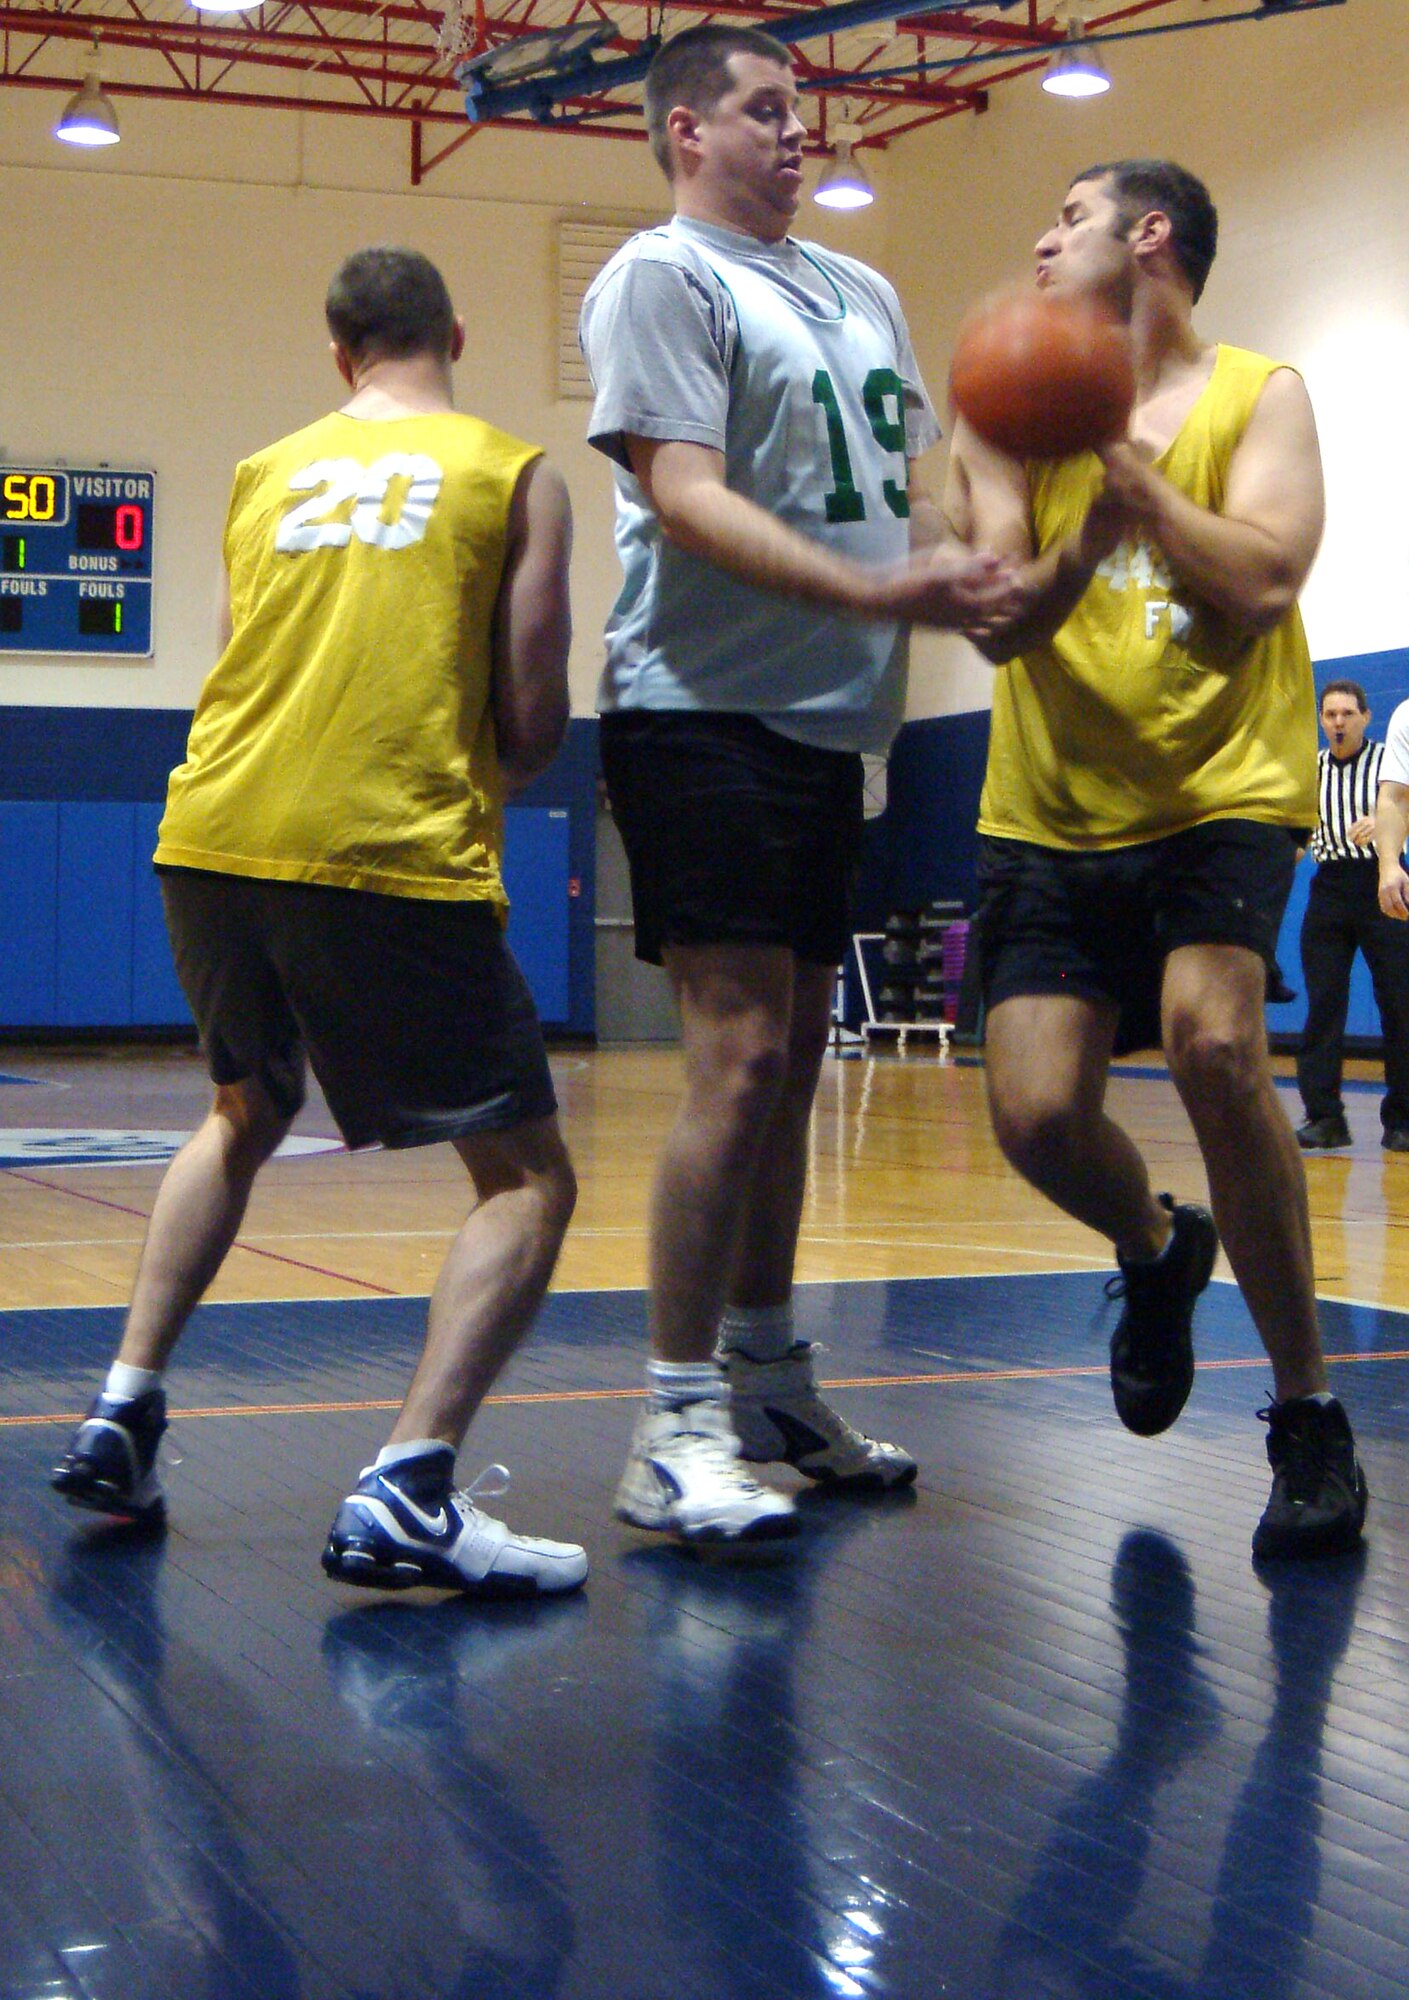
1148 712
346 735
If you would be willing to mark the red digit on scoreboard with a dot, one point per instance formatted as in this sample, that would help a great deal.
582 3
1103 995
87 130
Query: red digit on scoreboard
127 528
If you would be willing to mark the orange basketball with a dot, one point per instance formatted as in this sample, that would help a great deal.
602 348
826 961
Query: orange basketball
1041 376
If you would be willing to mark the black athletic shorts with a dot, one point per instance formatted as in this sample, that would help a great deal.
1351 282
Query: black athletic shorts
1101 925
417 1021
733 833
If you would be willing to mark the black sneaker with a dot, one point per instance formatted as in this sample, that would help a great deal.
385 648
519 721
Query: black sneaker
1319 1496
111 1463
1152 1348
1395 1139
1323 1135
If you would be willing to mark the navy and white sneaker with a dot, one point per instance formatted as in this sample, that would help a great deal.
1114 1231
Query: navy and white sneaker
406 1525
110 1466
781 1418
683 1477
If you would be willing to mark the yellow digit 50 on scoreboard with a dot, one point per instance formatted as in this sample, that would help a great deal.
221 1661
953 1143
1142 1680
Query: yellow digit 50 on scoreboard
34 496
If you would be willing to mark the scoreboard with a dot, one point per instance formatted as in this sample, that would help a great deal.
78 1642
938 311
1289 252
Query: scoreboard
76 561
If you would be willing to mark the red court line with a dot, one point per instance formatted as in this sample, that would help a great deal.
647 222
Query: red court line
949 1378
250 1249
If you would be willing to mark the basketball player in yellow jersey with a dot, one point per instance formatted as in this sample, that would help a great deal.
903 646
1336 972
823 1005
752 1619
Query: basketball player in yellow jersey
394 658
1152 768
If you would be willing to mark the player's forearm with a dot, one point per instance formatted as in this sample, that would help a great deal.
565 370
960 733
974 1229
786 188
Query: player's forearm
711 520
528 734
1052 587
529 689
928 524
1391 825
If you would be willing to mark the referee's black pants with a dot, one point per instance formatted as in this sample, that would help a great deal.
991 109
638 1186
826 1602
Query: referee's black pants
1343 916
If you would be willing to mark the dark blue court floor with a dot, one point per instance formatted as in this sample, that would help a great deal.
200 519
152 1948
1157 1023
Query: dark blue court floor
1037 1732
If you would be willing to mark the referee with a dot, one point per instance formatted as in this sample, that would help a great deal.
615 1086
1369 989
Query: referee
1343 915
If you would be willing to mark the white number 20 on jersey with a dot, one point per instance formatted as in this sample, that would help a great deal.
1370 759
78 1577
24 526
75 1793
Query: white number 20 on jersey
332 482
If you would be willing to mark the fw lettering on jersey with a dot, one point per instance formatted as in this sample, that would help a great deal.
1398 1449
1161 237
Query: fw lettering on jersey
1137 564
390 502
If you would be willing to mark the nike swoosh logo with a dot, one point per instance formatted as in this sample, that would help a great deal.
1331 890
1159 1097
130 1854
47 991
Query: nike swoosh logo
434 1524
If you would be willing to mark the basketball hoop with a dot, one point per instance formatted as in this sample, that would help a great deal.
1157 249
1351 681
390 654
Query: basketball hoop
461 31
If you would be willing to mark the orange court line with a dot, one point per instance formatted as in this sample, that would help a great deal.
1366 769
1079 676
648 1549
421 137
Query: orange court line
943 1379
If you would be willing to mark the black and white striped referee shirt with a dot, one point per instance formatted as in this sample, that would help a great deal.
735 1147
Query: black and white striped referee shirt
1347 793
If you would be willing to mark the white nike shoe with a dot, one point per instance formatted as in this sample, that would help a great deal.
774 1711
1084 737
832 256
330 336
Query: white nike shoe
779 1415
683 1477
405 1525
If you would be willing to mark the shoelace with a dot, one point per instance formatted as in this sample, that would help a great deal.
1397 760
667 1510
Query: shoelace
1298 1462
486 1485
722 1456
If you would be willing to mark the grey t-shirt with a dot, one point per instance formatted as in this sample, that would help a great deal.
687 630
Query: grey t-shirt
795 363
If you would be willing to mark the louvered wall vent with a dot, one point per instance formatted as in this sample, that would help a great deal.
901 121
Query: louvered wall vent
583 248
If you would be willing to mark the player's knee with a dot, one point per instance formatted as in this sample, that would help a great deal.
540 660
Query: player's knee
1217 1061
557 1193
745 1081
531 1164
254 1125
1036 1134
759 1081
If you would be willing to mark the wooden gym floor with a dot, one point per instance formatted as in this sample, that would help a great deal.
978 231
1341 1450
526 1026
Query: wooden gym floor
1037 1732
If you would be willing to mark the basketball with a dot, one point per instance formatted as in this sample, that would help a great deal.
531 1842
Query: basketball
1043 377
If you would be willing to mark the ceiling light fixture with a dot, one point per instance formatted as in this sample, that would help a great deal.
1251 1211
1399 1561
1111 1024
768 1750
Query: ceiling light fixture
1076 70
88 118
226 6
844 183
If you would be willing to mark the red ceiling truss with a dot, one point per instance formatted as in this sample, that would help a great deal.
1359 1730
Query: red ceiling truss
396 58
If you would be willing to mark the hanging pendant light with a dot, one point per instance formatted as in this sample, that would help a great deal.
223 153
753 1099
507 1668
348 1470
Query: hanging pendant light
88 119
1076 70
844 182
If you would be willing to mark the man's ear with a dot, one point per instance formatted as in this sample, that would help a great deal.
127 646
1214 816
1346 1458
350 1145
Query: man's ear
1151 233
457 338
683 126
342 361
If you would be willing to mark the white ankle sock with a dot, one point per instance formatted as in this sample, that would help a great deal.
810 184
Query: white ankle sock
673 1384
394 1454
763 1333
125 1382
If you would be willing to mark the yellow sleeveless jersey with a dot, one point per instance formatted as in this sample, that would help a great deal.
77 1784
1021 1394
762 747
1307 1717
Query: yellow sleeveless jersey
1147 712
345 735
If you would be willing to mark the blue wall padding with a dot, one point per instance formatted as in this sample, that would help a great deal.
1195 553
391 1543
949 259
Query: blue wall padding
923 845
82 939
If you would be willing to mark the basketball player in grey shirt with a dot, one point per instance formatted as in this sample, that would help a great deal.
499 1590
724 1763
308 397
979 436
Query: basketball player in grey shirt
761 405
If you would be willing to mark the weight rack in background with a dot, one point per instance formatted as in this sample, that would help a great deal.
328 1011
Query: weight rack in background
910 973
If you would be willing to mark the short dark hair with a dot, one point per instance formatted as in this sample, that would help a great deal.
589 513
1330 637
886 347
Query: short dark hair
386 303
1137 186
692 68
1352 688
